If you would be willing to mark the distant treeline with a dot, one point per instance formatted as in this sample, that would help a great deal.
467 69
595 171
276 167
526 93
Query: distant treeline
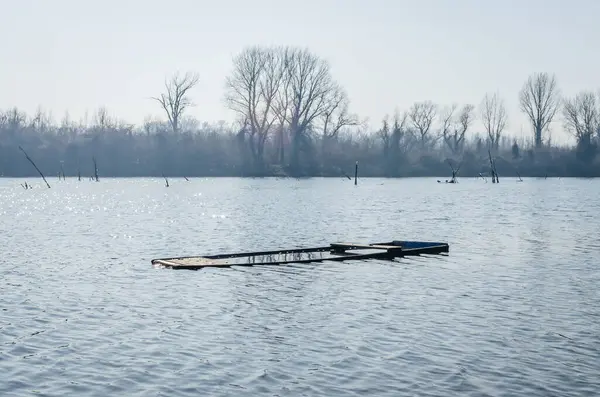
294 120
217 150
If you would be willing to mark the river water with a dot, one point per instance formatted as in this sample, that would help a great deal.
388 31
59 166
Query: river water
514 309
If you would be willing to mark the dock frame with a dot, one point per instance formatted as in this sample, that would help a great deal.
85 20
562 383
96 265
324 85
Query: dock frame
339 252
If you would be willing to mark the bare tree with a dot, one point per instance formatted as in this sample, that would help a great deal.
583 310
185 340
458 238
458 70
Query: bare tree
176 98
102 119
494 118
539 100
335 119
582 116
287 87
421 116
13 119
42 120
252 90
283 101
270 86
446 123
309 95
398 143
455 126
598 126
336 116
385 135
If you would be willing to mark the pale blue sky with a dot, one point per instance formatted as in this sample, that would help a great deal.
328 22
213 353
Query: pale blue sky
78 55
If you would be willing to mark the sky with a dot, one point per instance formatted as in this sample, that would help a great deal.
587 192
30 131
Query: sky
78 56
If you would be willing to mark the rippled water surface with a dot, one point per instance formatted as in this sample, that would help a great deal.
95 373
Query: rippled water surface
514 309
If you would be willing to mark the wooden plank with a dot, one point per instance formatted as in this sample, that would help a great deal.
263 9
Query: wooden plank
351 245
266 253
197 265
434 249
163 262
193 262
364 246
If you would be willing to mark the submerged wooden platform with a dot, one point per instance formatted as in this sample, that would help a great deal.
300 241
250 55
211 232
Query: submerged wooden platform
335 252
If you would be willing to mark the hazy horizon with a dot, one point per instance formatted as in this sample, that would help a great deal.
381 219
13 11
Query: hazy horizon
69 56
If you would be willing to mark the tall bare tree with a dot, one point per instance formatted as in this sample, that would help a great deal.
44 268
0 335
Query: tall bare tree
13 118
102 119
397 141
494 118
176 98
283 102
540 100
310 92
336 115
582 116
455 126
41 120
421 116
393 136
251 91
447 123
335 118
385 135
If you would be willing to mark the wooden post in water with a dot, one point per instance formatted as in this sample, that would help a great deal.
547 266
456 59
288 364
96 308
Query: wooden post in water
36 167
356 174
95 169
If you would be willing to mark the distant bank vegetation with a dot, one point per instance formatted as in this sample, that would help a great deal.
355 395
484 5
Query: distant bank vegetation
294 119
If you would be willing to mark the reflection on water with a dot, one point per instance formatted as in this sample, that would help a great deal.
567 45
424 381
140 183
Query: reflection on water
512 310
285 257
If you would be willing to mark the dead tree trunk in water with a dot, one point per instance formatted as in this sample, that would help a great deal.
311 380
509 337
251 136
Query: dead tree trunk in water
519 175
493 169
95 169
36 167
454 172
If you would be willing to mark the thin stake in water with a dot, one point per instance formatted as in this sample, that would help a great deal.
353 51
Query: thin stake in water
36 167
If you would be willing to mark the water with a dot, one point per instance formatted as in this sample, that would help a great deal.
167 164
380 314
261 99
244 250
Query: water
513 310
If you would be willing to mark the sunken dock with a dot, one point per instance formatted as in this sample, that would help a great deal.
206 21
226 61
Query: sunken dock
335 252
